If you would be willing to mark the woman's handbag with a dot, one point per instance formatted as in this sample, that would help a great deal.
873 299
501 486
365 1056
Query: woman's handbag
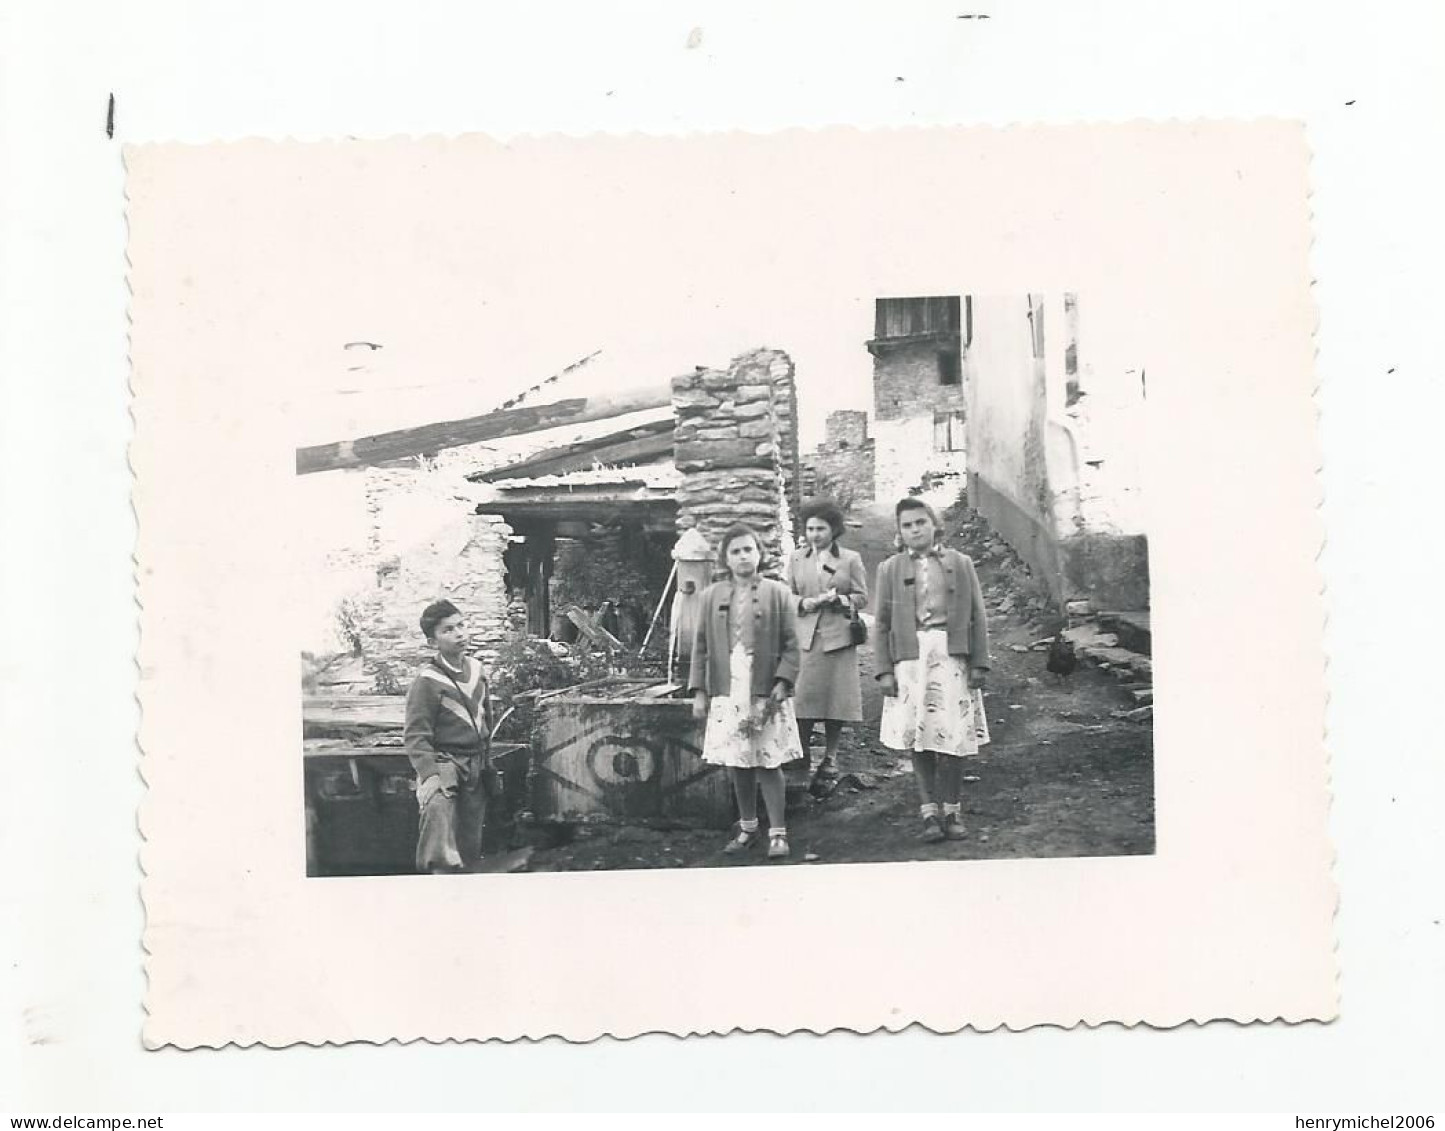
857 630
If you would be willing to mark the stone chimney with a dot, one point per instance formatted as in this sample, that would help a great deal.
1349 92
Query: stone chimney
736 444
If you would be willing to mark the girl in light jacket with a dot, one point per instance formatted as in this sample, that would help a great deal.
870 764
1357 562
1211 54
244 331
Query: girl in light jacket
744 665
830 585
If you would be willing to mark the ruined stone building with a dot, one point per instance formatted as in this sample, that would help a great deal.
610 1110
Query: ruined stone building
844 465
1044 428
520 538
919 395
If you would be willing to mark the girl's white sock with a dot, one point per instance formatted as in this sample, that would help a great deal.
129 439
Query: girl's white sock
778 830
928 810
954 807
749 826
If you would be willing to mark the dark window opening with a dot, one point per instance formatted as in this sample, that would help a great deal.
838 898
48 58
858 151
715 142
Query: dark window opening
949 371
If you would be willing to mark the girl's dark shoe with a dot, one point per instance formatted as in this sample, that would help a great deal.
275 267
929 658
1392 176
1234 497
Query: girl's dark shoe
741 843
932 831
953 826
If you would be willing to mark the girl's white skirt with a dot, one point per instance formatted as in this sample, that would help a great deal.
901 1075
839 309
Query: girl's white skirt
935 709
736 735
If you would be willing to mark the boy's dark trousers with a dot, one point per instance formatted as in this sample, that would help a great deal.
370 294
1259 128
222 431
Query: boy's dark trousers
450 836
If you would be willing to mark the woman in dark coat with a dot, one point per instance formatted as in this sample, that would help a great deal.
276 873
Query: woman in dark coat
830 584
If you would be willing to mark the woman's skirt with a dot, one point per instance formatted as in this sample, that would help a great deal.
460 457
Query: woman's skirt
828 685
935 709
745 732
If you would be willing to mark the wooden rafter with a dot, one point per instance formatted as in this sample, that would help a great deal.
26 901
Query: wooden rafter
632 445
370 451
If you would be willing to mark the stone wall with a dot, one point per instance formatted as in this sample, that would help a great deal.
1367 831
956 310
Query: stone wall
906 381
785 403
422 544
844 465
462 563
735 442
908 396
845 428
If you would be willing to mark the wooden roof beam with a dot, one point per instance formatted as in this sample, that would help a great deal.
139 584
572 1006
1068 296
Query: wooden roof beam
644 443
370 451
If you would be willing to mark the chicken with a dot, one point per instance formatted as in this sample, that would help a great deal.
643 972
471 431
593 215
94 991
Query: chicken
1062 657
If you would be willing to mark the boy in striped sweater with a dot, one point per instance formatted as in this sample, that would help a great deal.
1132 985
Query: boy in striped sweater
448 728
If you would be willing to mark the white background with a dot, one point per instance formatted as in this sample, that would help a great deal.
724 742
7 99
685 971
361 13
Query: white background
72 976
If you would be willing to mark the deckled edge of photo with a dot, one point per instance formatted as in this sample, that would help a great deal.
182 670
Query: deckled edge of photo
582 1035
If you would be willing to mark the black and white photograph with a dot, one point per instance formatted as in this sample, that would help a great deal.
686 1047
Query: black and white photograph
629 534
887 600
719 557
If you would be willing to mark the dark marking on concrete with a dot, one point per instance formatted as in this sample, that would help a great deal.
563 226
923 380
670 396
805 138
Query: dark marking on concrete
976 16
1351 102
110 116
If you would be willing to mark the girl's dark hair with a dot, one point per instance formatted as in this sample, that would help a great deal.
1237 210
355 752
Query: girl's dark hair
434 614
827 510
914 503
732 534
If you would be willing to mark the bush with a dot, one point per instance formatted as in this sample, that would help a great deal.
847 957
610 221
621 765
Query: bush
530 664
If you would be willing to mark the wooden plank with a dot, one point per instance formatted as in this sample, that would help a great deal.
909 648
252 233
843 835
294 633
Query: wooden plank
625 759
353 712
588 626
540 547
369 451
644 449
646 441
342 751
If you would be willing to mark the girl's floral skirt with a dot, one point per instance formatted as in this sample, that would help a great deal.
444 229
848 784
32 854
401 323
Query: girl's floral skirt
935 709
745 732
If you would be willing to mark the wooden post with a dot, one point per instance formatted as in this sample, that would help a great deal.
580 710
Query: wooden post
541 546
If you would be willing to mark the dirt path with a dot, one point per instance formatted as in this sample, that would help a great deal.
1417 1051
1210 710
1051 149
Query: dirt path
1061 777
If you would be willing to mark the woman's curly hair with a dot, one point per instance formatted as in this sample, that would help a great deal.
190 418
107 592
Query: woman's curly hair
827 510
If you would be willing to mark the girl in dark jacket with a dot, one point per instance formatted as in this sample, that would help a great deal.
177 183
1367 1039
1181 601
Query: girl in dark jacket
931 654
744 664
